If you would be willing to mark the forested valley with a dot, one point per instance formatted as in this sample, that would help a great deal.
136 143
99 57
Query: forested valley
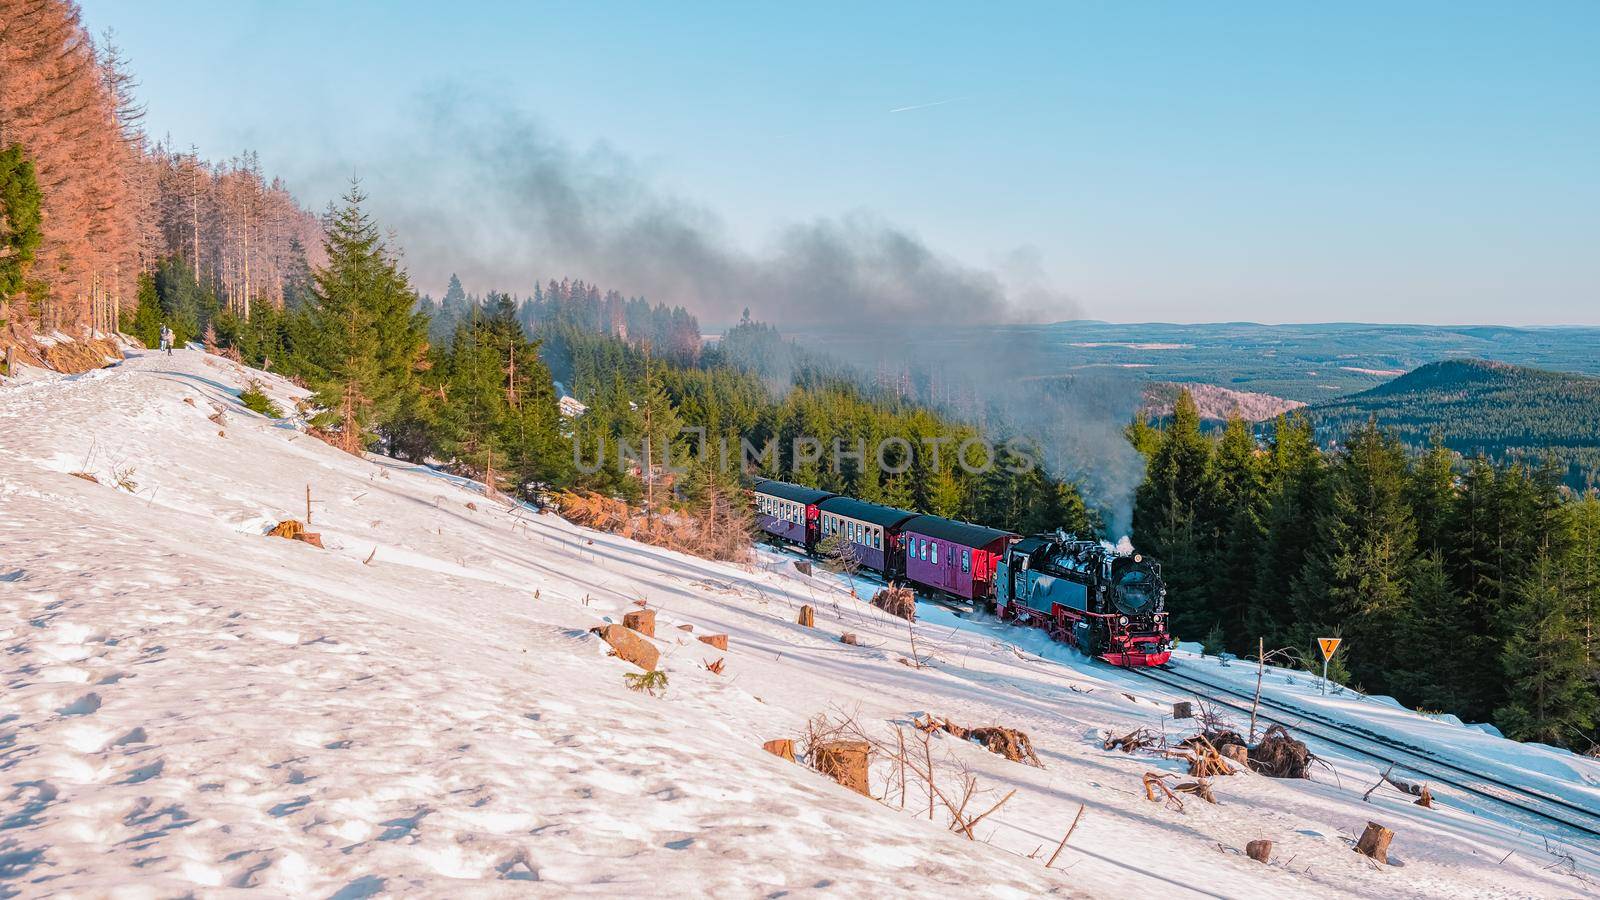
1460 585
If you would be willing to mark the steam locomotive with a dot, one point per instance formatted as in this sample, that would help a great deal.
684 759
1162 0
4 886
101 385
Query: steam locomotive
1108 602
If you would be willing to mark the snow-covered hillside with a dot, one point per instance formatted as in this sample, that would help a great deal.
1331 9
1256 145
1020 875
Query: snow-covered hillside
190 705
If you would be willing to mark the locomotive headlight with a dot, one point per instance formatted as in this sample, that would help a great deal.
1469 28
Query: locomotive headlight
1123 620
1138 557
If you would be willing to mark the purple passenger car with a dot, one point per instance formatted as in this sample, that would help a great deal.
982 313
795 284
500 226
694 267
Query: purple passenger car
872 532
788 512
955 558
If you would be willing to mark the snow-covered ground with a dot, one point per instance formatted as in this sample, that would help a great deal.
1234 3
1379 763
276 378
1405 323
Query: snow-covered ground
189 705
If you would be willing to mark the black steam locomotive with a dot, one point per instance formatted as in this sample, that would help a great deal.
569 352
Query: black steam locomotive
1108 603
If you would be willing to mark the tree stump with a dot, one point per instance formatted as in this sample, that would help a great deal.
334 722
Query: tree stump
719 641
782 747
1425 798
630 646
844 762
1236 752
808 616
1374 842
642 621
1260 851
1183 709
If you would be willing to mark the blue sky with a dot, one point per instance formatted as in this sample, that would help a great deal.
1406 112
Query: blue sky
1433 162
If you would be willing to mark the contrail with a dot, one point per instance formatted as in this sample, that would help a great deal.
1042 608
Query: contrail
922 106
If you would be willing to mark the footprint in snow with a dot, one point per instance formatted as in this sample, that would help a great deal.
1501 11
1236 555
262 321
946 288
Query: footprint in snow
83 706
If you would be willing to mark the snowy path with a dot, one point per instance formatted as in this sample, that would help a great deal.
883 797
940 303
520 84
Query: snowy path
191 706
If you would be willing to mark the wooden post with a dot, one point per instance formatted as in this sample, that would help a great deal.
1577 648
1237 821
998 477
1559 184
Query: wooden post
308 503
1260 851
1261 668
808 616
11 361
1183 709
1374 842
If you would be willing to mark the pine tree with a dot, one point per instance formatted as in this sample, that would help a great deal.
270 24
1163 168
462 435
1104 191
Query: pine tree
1232 516
1295 475
1431 493
1552 691
19 225
1432 672
1583 567
1164 515
145 321
1356 576
365 307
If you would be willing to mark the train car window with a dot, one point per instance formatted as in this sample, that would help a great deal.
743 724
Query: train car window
966 560
935 552
922 548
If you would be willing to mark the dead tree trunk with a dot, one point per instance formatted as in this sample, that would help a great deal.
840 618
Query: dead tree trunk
1260 851
1374 842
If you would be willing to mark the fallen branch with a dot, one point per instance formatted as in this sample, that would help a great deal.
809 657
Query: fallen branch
1067 836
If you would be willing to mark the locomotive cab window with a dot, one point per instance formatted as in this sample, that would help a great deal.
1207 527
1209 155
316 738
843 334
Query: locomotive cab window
966 560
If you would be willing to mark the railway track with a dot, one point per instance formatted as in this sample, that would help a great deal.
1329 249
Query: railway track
1543 806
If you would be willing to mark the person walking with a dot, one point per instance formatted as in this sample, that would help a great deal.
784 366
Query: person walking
166 339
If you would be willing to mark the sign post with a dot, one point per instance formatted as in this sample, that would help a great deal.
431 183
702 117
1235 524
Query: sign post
1329 646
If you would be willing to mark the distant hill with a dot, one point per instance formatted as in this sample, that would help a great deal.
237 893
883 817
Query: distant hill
1475 405
1308 362
1215 403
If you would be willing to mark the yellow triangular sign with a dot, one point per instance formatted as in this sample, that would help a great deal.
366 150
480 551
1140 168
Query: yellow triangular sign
1328 645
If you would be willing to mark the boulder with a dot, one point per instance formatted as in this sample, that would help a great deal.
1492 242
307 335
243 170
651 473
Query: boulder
629 645
782 747
719 641
642 621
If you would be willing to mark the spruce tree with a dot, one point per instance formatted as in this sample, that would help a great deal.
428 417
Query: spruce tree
1164 516
1357 575
1232 515
1295 476
374 339
1552 691
20 224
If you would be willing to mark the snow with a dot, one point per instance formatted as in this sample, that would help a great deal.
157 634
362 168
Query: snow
191 706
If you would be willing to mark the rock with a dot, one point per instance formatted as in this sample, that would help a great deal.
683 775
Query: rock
686 627
1260 851
642 621
808 616
1374 842
719 641
802 566
1183 709
295 530
629 645
849 637
472 506
782 747
844 762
